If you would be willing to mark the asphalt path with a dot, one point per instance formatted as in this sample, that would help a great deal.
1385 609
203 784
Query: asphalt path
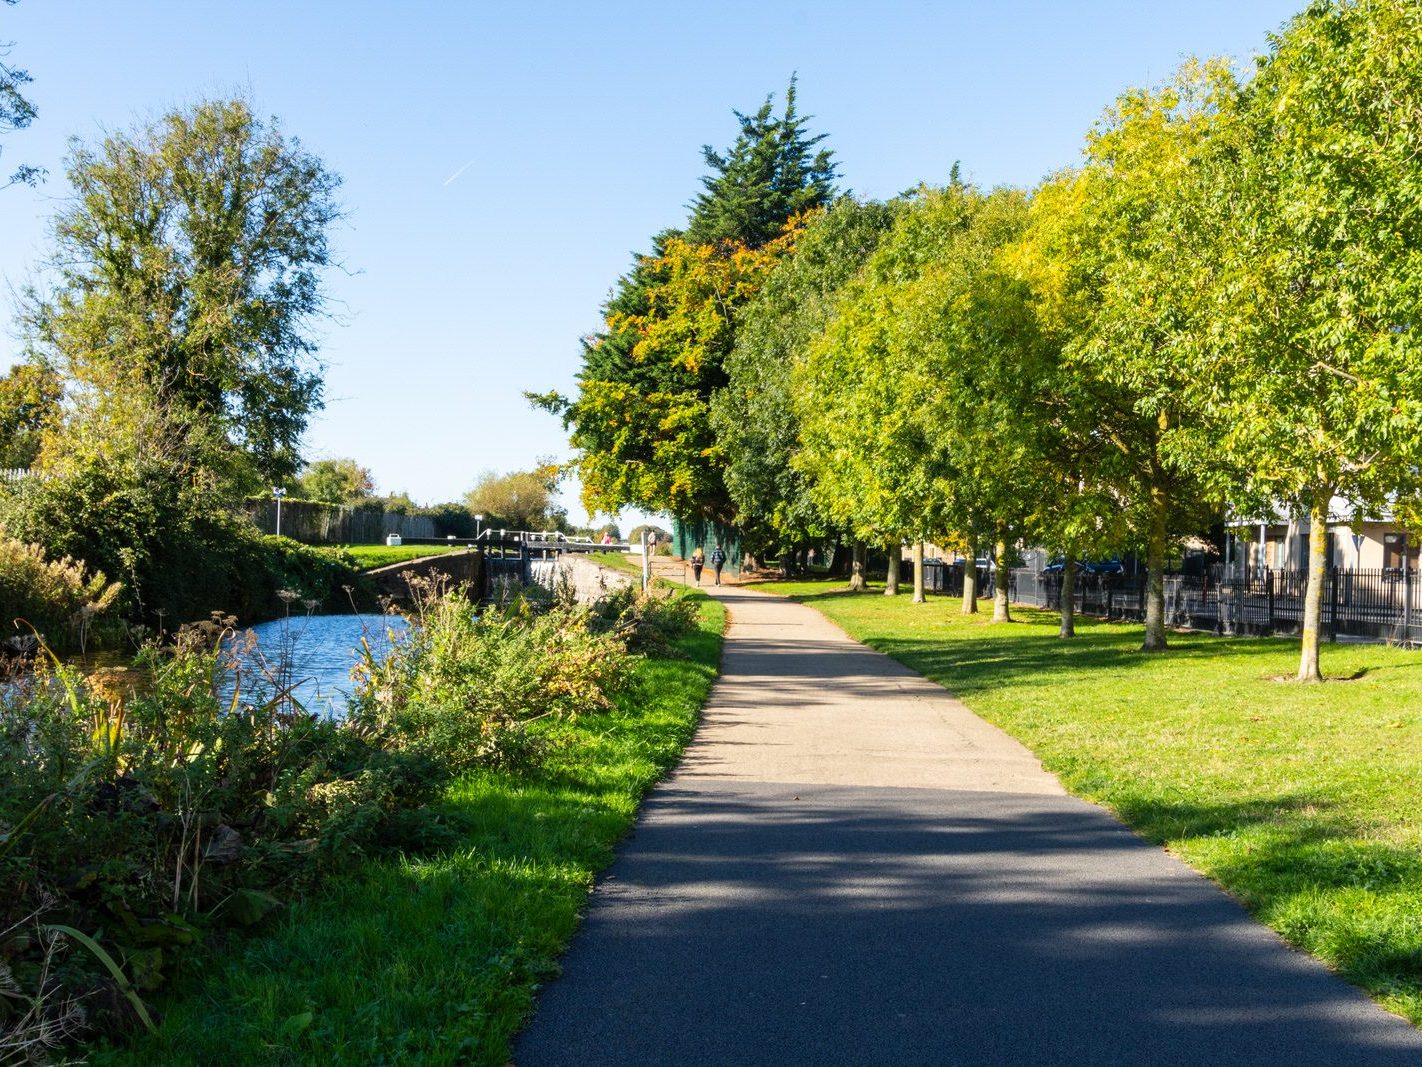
850 868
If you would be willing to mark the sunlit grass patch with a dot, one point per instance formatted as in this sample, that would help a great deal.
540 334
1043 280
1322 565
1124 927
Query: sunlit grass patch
436 959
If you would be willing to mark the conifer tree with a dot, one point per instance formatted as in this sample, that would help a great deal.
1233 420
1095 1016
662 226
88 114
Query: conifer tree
641 422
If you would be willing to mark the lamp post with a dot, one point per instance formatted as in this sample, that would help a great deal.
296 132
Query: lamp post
278 492
478 521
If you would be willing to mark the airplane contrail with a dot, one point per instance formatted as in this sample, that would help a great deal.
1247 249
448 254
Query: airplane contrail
460 171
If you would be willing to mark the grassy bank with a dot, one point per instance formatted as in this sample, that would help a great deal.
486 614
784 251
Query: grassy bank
436 959
1301 801
368 557
618 561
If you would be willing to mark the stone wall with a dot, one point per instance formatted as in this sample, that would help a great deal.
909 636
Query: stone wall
459 567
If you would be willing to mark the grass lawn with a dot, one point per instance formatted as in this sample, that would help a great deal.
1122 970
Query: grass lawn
618 561
436 959
368 557
1302 801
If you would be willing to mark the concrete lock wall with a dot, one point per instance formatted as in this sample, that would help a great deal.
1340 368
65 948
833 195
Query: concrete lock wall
589 580
459 567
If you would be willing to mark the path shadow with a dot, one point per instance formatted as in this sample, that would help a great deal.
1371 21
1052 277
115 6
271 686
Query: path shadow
803 924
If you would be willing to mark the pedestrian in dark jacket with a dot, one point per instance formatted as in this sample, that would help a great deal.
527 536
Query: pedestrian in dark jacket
718 560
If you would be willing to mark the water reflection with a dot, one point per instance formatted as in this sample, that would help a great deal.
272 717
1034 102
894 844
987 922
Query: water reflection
314 655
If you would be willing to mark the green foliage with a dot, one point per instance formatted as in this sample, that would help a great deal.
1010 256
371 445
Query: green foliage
16 111
650 622
179 554
158 804
438 957
189 264
771 174
29 405
754 415
641 424
463 684
61 599
140 803
1122 255
520 500
1315 359
875 386
335 481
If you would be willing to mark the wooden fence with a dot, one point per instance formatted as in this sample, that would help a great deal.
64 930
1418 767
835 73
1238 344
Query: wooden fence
337 524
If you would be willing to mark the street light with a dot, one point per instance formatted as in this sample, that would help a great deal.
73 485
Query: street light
477 520
278 492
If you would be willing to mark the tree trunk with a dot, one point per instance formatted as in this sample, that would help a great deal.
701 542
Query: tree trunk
1068 604
891 579
970 580
1155 574
856 577
918 597
1317 581
1001 611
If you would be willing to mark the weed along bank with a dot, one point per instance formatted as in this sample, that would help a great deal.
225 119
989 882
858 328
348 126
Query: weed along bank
233 806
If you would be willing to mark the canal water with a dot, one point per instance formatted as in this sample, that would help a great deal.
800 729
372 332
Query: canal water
314 654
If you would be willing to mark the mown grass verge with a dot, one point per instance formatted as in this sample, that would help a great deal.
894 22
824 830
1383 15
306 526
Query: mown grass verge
1302 801
617 561
437 959
368 557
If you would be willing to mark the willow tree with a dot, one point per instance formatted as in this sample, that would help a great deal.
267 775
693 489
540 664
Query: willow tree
1121 256
1316 369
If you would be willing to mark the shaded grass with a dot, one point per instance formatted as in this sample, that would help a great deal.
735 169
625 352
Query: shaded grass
368 557
437 959
1302 801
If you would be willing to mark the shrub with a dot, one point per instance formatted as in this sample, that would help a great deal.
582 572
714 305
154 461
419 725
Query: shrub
140 803
647 622
145 809
464 686
60 598
179 552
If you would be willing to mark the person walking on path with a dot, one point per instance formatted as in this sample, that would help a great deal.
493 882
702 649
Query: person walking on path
718 560
698 561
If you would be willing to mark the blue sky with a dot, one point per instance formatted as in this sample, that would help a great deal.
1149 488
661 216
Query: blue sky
501 161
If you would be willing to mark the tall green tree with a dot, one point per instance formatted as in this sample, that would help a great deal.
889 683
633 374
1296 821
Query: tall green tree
1121 254
640 424
519 500
189 262
754 415
774 171
336 481
871 459
1314 367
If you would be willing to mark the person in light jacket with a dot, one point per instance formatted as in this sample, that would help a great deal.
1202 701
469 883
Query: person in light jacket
718 560
698 560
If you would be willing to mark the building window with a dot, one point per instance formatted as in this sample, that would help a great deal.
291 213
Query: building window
1395 549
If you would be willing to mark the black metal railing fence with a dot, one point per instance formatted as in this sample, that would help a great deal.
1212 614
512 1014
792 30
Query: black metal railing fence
1377 603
